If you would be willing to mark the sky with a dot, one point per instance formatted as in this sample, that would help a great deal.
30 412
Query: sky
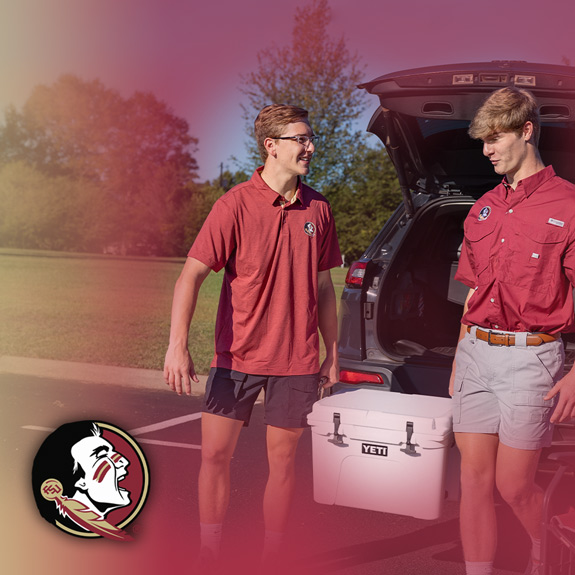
192 54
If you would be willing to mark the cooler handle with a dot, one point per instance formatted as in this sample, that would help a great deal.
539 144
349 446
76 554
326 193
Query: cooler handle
337 436
410 447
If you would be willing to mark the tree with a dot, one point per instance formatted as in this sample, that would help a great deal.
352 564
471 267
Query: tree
319 74
30 218
135 151
362 209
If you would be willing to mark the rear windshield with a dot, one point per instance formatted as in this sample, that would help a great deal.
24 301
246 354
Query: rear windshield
446 149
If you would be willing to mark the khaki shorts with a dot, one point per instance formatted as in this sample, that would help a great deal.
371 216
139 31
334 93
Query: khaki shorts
499 389
288 398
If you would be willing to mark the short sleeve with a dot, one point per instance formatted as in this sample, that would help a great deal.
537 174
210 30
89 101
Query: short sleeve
330 255
465 273
569 263
216 241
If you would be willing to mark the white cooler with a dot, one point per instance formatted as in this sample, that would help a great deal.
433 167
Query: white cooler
381 450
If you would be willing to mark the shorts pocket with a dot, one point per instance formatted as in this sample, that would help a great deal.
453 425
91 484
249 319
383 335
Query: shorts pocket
530 406
238 378
303 393
537 368
535 371
457 388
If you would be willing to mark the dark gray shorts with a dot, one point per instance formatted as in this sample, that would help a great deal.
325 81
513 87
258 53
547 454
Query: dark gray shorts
501 390
288 398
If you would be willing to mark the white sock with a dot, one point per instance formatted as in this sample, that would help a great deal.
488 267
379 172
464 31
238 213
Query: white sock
536 550
272 542
479 567
211 536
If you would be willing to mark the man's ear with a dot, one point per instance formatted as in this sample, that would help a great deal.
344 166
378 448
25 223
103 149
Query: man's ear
528 132
270 146
81 483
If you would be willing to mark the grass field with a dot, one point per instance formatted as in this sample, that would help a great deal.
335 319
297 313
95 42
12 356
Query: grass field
99 309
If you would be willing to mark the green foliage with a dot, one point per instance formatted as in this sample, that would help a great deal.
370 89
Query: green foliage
319 74
363 208
75 137
200 203
49 212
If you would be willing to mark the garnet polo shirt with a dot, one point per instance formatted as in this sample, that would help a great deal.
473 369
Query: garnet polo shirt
267 321
519 255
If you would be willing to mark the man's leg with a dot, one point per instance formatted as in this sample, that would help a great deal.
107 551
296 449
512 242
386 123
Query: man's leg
281 448
219 438
515 480
477 509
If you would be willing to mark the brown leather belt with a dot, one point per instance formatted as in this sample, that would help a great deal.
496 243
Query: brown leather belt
507 339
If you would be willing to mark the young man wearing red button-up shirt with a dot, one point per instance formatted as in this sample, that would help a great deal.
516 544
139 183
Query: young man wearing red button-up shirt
518 259
275 238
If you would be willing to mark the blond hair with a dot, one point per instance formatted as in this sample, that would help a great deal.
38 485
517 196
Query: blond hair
506 110
271 122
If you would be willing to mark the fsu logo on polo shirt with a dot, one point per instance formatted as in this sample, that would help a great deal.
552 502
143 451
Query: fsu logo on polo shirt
309 229
90 479
484 213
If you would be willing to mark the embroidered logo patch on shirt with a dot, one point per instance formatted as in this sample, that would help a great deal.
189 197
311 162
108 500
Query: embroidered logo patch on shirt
309 229
484 213
555 222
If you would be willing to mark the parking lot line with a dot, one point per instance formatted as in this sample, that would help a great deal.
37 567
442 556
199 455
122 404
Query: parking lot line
168 443
165 424
148 429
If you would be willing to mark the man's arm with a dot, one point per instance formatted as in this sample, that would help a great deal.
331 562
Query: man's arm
327 321
178 366
462 331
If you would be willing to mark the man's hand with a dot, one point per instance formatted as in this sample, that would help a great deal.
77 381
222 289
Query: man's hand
178 366
565 408
328 373
179 370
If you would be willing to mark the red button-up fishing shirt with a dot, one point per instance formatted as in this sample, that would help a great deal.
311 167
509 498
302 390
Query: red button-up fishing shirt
519 256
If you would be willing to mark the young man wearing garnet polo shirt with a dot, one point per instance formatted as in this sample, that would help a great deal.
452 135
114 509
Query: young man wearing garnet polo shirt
507 383
275 238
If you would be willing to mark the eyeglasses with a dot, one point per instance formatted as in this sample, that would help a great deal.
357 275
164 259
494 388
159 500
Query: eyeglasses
302 140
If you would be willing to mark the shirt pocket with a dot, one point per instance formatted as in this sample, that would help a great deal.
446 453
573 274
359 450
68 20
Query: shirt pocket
537 254
480 237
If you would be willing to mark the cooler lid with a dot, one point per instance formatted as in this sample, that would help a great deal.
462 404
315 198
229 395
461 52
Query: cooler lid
386 410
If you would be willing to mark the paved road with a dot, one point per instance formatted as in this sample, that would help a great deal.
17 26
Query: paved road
39 395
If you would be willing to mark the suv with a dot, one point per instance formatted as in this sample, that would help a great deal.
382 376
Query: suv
401 308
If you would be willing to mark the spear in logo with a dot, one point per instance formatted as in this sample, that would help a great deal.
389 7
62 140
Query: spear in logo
51 490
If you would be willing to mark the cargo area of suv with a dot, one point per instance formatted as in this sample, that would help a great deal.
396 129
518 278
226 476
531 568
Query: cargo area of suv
401 308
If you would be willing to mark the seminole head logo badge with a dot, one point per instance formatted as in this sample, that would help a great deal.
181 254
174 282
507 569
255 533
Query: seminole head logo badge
484 213
90 479
309 229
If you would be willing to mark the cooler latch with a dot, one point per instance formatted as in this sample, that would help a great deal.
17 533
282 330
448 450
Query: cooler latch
337 436
410 447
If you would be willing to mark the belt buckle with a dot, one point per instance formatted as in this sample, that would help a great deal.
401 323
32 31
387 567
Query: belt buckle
489 342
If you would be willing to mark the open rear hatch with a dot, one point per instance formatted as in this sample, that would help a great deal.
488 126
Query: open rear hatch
422 120
424 114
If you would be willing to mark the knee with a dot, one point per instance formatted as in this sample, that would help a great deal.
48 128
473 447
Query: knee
214 456
514 491
477 480
281 461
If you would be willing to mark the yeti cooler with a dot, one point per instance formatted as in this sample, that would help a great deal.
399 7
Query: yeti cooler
382 451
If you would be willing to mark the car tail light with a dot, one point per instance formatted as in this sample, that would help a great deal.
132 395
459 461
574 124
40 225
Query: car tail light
355 274
355 377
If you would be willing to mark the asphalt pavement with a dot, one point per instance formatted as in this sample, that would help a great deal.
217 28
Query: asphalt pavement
323 539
